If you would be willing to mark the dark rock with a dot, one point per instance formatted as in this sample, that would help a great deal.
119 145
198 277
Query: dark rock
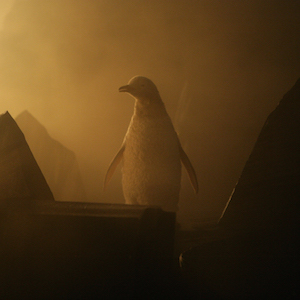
63 250
256 254
257 265
58 164
268 191
20 175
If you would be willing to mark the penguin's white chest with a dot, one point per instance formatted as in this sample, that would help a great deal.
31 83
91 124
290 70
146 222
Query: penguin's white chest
151 163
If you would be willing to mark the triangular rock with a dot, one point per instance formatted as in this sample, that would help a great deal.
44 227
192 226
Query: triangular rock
20 175
268 191
58 164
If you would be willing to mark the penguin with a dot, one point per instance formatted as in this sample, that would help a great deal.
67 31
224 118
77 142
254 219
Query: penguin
151 151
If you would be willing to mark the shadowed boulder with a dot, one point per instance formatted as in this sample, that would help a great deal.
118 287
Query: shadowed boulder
58 164
268 191
255 251
20 175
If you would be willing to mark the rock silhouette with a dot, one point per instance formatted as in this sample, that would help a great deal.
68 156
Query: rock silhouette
58 164
254 252
20 175
267 193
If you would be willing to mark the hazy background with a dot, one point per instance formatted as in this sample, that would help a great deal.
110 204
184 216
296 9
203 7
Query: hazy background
221 68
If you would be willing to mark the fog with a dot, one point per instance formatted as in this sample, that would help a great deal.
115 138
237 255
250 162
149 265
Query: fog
221 67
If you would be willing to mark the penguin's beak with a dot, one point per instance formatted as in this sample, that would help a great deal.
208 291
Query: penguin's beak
126 88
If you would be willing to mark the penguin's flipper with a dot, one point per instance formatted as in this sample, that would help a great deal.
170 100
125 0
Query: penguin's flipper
113 165
190 170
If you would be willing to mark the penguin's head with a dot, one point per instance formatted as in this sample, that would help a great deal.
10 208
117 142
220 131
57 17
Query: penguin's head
141 88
